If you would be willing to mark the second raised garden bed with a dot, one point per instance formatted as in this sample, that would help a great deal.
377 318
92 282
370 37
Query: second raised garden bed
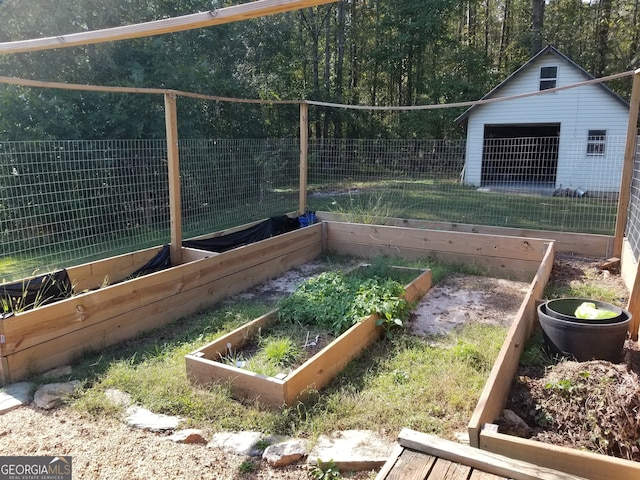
204 365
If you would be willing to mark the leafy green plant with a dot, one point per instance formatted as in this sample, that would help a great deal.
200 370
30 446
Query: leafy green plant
337 302
325 471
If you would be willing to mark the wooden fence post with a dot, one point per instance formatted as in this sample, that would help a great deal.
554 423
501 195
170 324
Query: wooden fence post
304 146
173 158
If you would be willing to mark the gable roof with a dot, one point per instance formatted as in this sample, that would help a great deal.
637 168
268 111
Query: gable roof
548 49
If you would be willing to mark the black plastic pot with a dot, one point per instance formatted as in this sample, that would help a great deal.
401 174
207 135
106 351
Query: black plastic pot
564 309
584 341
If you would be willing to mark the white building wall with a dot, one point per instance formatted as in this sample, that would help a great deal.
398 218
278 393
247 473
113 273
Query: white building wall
577 110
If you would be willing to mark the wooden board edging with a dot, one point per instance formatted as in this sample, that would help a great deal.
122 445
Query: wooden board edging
108 271
510 257
498 385
587 244
482 460
589 465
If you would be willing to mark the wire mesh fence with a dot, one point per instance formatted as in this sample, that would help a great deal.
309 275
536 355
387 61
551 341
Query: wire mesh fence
68 202
63 203
633 222
228 182
533 183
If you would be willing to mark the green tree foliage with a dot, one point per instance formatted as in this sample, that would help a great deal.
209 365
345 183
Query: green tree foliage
382 52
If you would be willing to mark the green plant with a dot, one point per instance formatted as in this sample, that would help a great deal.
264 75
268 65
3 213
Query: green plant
337 301
325 471
247 466
280 351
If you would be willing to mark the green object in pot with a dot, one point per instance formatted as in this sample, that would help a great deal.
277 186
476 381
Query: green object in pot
588 310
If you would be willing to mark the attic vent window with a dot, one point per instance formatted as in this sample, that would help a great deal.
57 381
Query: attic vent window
548 77
596 141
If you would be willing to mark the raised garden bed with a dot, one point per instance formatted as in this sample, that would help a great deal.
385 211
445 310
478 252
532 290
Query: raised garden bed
483 429
52 335
37 340
204 365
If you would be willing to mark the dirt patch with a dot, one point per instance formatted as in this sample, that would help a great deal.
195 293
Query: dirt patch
460 299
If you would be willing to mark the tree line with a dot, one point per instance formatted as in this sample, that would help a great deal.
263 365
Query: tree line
375 52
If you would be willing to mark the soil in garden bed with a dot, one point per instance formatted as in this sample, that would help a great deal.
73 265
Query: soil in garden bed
592 405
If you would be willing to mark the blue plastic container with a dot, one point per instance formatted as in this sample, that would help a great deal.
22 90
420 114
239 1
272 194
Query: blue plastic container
307 219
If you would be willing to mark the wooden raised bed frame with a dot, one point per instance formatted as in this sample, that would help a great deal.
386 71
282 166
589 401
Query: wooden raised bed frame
483 433
38 340
203 365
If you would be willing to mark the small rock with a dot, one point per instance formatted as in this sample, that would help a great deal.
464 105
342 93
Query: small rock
52 395
242 443
285 453
189 436
139 417
462 437
15 395
352 449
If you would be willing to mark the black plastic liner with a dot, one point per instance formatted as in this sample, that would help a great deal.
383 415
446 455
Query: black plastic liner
160 261
269 228
37 291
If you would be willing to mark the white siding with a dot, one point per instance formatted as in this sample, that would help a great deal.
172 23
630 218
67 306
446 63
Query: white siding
577 110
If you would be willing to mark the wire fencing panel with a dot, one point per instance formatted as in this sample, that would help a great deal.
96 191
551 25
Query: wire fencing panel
227 182
633 220
68 202
531 183
64 203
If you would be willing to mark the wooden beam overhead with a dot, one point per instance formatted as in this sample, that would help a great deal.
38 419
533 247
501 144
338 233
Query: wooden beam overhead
219 16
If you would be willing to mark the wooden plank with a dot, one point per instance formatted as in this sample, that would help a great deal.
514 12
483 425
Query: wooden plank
498 385
480 475
243 383
411 465
193 254
436 241
480 459
589 245
236 338
89 276
240 269
168 25
173 166
521 270
588 465
448 470
304 150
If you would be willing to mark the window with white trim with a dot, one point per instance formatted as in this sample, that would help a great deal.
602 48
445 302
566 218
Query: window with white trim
596 141
548 77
